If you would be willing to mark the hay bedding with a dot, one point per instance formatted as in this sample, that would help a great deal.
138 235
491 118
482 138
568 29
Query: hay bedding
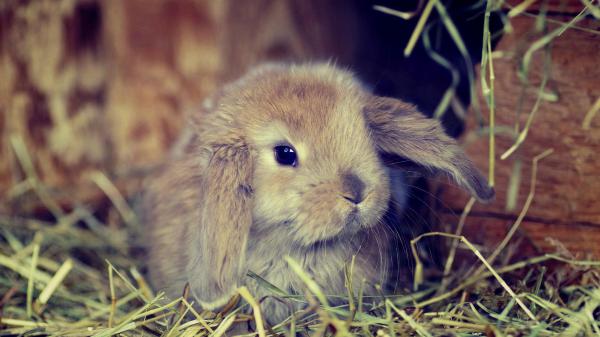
78 273
74 275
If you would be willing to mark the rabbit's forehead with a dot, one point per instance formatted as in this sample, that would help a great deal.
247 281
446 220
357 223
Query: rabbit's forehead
319 110
338 138
310 107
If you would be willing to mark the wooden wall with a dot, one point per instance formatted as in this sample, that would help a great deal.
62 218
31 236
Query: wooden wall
98 85
566 206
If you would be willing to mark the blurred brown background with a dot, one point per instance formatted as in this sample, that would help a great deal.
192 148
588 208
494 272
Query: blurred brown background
89 85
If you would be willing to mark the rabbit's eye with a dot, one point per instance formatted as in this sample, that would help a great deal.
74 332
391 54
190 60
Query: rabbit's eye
285 155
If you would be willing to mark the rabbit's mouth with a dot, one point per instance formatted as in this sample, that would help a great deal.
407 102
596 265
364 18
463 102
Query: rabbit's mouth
354 222
343 228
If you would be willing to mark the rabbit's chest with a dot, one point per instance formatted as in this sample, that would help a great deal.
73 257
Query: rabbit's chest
274 269
326 266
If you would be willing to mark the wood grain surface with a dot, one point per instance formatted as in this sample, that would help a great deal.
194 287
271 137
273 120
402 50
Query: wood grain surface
98 86
566 205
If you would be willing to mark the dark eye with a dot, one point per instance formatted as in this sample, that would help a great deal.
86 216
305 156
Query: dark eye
285 155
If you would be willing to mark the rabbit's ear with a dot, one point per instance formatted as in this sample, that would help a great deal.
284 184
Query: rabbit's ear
400 129
218 241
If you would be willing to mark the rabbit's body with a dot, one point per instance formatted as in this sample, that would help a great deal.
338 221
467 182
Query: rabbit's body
267 244
286 162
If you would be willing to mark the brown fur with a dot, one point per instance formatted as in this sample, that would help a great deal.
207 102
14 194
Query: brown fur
224 206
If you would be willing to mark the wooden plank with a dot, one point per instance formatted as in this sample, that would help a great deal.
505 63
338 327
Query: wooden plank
99 85
567 200
533 237
554 7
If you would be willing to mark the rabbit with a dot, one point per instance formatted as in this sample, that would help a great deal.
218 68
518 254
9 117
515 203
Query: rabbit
288 161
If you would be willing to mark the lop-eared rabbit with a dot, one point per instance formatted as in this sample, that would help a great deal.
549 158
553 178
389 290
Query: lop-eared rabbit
287 161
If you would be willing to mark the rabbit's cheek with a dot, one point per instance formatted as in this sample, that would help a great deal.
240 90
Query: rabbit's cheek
310 230
276 198
334 217
272 206
319 219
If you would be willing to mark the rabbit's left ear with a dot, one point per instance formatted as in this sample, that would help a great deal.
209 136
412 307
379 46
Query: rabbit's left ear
216 265
400 129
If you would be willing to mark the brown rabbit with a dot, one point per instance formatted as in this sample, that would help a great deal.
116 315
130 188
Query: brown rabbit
287 161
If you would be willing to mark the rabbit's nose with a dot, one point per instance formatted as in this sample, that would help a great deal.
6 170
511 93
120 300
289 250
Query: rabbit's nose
352 188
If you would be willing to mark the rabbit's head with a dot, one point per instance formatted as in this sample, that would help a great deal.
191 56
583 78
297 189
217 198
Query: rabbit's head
297 150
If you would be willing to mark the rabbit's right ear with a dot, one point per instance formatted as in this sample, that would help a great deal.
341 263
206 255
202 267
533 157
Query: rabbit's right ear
216 255
400 129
